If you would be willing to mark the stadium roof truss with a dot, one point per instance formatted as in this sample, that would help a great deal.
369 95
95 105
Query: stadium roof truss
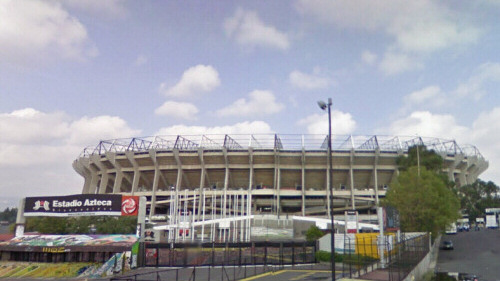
395 144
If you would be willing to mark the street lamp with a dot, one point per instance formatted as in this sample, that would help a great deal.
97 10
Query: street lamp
324 106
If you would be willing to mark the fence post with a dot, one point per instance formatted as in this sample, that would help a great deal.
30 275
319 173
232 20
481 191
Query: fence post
281 254
141 257
213 253
304 253
157 254
265 254
350 256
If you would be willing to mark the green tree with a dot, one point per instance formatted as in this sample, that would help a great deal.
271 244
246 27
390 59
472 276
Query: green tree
476 197
9 214
81 225
428 159
313 233
424 202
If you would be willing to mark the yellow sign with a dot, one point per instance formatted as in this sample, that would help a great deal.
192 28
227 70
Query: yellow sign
53 250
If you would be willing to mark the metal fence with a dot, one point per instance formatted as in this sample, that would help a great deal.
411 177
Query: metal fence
361 254
406 255
223 254
205 273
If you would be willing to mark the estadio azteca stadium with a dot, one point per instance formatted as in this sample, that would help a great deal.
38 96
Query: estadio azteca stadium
276 174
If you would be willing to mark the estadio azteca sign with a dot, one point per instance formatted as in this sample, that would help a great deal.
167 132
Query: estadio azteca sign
82 205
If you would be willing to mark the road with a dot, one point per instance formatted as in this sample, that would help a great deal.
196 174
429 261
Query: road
476 252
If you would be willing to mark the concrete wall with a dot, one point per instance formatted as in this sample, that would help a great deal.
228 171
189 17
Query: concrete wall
428 263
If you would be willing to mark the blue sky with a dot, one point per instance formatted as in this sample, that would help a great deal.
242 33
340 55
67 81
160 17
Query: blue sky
77 71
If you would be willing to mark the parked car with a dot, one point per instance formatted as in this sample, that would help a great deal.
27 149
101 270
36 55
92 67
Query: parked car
447 245
467 277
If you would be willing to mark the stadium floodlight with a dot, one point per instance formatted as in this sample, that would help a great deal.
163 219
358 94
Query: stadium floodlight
323 106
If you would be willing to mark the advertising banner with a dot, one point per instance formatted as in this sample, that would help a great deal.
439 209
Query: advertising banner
82 205
351 221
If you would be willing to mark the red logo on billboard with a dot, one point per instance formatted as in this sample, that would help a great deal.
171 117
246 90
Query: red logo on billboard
130 205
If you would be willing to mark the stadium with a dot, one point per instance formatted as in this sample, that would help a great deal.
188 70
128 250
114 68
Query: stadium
214 177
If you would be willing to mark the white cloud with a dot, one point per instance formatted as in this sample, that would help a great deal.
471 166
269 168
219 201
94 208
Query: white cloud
40 30
368 57
112 8
247 127
309 82
394 63
89 130
28 125
428 97
481 134
182 110
424 95
259 103
427 124
416 28
196 79
342 123
248 30
474 86
37 149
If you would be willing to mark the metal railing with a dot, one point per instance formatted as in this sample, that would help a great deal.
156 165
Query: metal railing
223 254
219 273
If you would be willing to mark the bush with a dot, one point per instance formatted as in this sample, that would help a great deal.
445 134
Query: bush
313 233
323 256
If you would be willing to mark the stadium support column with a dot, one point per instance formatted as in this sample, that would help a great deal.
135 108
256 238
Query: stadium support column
226 183
156 178
135 181
303 182
118 182
203 176
104 182
351 175
96 159
137 172
375 174
20 219
93 182
249 196
277 180
85 173
177 187
120 175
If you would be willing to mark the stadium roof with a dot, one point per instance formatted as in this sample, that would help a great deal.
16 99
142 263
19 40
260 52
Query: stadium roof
284 142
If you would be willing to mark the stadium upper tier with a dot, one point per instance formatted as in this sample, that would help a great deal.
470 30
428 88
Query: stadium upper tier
277 173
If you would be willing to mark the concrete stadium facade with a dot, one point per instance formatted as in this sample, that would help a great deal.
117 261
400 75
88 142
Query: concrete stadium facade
261 174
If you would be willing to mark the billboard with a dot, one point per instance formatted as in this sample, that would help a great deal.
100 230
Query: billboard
82 205
351 221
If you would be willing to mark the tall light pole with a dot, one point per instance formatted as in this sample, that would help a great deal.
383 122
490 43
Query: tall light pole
324 106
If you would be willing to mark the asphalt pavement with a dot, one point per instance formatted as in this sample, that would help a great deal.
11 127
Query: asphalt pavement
475 252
